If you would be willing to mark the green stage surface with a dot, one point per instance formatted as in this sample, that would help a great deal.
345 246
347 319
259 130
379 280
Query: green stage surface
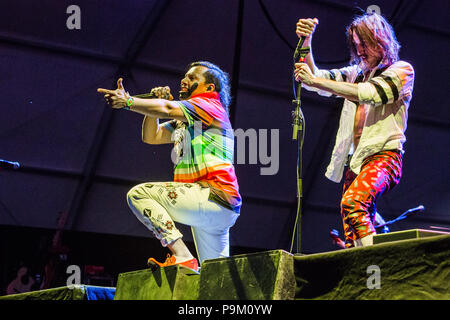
408 270
400 270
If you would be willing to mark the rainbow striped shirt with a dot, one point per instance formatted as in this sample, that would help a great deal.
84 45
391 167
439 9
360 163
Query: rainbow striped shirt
204 148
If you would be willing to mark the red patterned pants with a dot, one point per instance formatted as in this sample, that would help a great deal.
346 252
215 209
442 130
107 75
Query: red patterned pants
379 173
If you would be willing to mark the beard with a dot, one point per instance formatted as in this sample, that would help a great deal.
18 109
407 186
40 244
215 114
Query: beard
370 60
184 95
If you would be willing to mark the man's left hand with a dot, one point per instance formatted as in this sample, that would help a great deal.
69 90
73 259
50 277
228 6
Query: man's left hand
303 73
116 98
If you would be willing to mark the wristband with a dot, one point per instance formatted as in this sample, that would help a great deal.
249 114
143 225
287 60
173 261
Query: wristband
130 102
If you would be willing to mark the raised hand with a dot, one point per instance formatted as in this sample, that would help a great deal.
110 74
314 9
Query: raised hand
116 98
306 27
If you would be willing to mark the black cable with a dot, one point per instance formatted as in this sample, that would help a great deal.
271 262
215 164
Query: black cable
299 187
299 168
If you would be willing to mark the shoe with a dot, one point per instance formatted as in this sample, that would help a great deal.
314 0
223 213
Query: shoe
171 261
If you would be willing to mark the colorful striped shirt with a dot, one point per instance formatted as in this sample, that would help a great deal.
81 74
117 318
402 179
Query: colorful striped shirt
204 148
385 95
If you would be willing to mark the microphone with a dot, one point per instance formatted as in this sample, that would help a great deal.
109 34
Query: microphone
299 47
151 95
409 212
9 164
146 95
404 215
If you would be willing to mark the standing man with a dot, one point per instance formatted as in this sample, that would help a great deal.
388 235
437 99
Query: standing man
377 88
205 191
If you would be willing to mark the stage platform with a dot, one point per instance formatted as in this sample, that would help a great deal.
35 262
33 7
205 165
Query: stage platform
406 234
407 269
75 292
417 268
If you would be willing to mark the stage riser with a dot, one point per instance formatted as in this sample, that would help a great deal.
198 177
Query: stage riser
407 269
406 235
262 276
169 283
401 270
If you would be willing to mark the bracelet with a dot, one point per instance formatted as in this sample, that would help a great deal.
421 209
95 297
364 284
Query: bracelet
130 102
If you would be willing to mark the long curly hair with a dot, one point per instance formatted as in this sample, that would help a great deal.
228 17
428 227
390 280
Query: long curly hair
374 31
219 78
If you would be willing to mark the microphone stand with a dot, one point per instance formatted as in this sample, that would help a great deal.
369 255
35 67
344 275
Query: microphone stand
404 215
299 126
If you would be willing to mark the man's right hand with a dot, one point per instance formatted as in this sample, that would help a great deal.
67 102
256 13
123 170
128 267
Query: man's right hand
162 93
306 27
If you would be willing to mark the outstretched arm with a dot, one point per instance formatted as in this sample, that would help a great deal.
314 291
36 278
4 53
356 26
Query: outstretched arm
157 108
152 132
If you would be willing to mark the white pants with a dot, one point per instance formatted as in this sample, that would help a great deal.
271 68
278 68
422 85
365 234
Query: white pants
158 204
